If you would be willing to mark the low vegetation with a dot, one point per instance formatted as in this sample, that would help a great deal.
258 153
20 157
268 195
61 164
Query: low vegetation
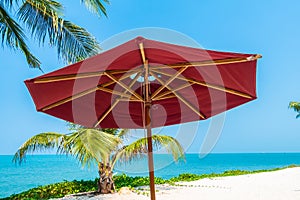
57 190
70 187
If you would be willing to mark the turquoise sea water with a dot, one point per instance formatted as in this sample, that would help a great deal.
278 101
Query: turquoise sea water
46 169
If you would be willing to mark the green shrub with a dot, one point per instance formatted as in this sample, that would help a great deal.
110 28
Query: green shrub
128 181
56 190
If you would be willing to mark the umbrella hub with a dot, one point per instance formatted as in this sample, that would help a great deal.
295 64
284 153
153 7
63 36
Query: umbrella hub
141 78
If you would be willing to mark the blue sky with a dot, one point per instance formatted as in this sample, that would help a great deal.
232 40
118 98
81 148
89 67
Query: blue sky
270 29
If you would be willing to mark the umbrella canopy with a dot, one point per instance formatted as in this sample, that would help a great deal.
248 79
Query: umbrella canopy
186 84
144 84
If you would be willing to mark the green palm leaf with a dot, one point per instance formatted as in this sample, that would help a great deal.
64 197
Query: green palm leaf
138 149
123 133
43 19
75 43
40 142
89 145
40 17
296 106
96 6
11 34
45 22
8 3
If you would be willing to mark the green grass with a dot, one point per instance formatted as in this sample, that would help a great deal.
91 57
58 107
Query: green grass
70 187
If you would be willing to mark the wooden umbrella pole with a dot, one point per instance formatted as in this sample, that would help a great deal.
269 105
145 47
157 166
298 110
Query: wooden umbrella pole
150 151
147 117
149 131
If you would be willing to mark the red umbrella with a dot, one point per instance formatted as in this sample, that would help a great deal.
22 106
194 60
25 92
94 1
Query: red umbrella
144 84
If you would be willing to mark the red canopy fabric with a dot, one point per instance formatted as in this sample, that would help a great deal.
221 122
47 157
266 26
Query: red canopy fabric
102 90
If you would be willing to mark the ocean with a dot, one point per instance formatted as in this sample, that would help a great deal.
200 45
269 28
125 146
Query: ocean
46 169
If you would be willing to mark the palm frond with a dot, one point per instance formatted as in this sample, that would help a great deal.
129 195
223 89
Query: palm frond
296 107
40 17
170 144
74 127
43 19
40 142
12 35
123 133
135 150
89 145
112 131
96 6
9 3
75 43
138 149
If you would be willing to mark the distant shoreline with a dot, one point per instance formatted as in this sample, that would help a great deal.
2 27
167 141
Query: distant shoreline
48 169
184 180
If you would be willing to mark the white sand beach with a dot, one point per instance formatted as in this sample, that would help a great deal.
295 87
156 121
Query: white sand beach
277 185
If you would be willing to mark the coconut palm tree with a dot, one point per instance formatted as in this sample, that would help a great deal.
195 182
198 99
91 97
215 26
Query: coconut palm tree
103 147
296 106
43 19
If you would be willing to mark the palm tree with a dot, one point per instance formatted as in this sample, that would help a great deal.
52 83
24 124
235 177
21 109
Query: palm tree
101 146
296 106
43 19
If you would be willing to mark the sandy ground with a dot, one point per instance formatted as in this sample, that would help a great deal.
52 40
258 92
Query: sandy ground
278 185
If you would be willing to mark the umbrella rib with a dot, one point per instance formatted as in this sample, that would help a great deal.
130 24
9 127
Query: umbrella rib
116 101
216 87
165 96
124 92
75 76
131 100
188 104
76 96
172 78
68 99
117 93
126 75
133 81
209 62
166 93
142 51
107 112
123 86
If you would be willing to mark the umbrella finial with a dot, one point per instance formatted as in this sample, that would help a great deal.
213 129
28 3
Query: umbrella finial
139 39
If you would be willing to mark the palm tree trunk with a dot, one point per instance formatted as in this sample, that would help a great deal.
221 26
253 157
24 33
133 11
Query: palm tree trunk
105 184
